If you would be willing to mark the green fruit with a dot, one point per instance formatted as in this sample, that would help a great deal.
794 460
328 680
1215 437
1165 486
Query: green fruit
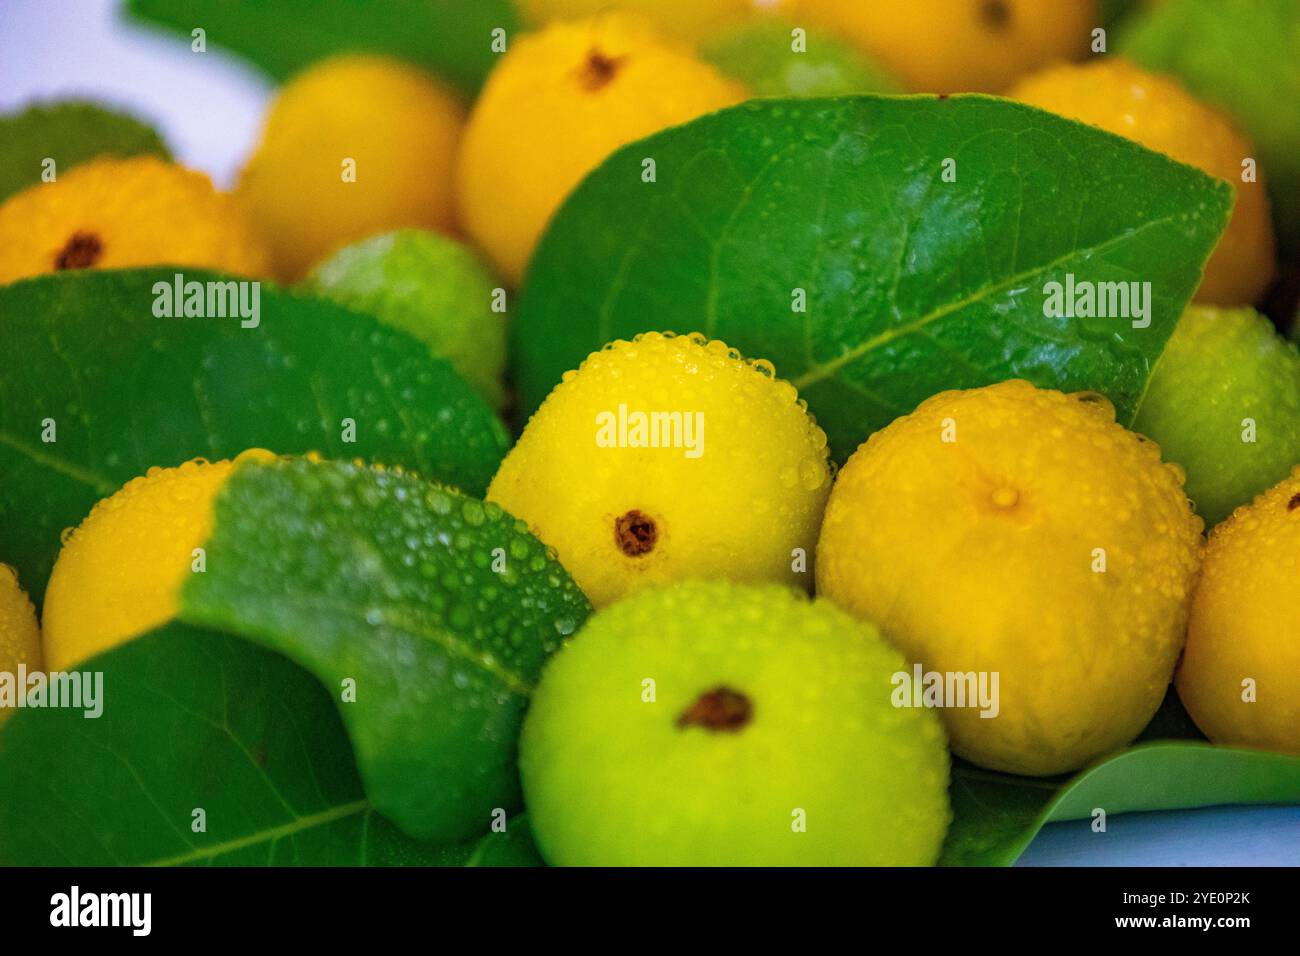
431 286
1224 402
725 724
760 54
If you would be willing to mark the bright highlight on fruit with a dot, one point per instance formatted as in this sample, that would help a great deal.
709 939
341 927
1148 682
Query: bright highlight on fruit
1021 532
353 146
1240 675
728 725
688 19
20 636
556 105
667 458
1224 402
119 573
118 213
1158 113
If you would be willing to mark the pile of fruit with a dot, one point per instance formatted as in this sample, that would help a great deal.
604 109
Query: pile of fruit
657 433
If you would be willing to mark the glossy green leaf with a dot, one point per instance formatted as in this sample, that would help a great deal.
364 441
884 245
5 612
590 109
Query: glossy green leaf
198 720
433 611
913 284
1242 56
126 390
68 132
450 37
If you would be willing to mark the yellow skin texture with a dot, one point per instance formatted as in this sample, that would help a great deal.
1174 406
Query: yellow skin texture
1158 113
688 19
1245 623
119 574
956 46
128 212
613 780
978 555
737 511
400 126
547 117
20 636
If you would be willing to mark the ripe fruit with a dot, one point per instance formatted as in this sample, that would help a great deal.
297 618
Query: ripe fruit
119 573
689 19
557 104
666 458
719 724
20 636
1240 675
1224 402
118 213
1158 113
431 286
760 55
1022 532
353 146
957 46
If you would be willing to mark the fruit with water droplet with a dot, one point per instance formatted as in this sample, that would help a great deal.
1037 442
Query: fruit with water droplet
20 635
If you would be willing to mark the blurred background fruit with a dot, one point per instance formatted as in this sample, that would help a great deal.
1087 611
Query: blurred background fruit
1158 113
431 286
20 635
352 146
725 725
1020 531
1224 402
556 105
115 213
688 19
1240 675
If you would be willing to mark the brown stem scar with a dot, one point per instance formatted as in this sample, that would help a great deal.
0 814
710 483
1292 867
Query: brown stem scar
995 14
719 709
82 251
1294 503
635 533
599 69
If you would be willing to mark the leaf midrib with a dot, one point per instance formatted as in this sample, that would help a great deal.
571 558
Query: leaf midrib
324 817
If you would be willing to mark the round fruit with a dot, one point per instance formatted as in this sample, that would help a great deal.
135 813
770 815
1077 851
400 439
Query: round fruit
957 46
1224 402
1240 675
1022 533
1158 113
557 104
667 458
119 573
729 725
353 146
431 286
20 637
118 213
689 19
761 56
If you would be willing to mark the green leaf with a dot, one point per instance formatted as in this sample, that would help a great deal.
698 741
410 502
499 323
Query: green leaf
438 609
913 284
127 391
1242 56
995 816
450 37
69 133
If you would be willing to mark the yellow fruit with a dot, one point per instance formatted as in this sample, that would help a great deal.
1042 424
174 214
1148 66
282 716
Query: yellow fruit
558 103
120 572
1240 674
118 213
688 19
353 146
957 46
1020 532
727 488
1158 113
20 637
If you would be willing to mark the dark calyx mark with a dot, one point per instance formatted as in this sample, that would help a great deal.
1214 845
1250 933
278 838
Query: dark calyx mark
995 14
1294 503
635 533
719 709
599 69
82 251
